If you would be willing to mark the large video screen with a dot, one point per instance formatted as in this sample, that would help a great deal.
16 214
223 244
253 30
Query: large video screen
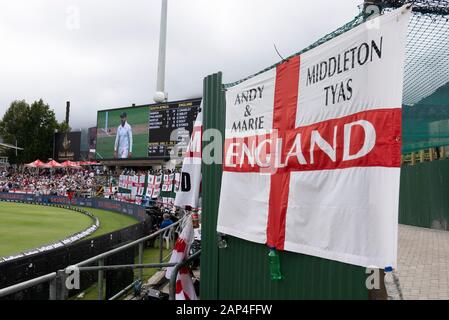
145 132
67 146
117 141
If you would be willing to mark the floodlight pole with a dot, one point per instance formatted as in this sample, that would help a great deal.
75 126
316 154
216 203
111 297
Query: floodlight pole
162 50
54 142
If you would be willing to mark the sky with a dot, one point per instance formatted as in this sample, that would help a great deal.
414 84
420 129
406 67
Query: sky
103 54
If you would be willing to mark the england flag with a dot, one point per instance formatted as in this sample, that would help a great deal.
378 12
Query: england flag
313 149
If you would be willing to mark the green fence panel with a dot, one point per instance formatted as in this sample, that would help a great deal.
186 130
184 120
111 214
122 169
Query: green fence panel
244 275
213 118
424 197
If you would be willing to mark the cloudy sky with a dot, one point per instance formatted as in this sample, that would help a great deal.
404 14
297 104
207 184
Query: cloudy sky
102 54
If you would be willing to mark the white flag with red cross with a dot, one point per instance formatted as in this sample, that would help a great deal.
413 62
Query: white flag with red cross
184 284
134 182
157 186
313 149
177 182
150 185
154 186
139 184
167 183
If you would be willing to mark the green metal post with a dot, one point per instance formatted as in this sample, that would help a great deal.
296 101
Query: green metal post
214 116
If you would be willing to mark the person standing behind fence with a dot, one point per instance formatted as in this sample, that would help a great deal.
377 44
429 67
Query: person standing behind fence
70 194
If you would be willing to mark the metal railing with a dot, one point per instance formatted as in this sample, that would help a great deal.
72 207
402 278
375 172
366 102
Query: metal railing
59 291
425 155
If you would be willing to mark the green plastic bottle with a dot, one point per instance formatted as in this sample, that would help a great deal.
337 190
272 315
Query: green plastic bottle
275 265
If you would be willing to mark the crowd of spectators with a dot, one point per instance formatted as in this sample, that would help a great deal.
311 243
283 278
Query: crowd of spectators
52 181
87 182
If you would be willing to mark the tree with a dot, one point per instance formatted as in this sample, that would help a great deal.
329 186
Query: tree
63 127
13 127
33 127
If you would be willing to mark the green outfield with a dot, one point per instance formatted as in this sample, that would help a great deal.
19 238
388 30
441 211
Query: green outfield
107 124
24 227
110 221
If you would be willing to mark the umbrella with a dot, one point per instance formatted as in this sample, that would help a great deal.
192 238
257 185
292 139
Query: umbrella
52 164
35 164
71 164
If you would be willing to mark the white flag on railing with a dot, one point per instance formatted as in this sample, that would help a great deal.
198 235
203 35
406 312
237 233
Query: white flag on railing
184 284
190 184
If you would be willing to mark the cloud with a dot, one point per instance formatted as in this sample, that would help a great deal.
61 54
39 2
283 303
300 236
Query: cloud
103 54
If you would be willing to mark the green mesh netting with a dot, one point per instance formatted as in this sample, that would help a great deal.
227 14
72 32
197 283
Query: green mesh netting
426 82
348 26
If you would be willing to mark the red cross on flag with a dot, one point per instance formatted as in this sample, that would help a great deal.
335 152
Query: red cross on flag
177 182
138 185
154 186
167 184
313 149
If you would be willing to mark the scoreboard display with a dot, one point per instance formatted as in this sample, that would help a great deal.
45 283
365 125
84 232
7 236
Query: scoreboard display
152 131
169 125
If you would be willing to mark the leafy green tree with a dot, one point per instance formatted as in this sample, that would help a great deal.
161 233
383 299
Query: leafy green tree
63 127
33 126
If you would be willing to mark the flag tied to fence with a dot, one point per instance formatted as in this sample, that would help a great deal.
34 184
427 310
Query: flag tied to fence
138 185
184 284
131 188
313 149
154 186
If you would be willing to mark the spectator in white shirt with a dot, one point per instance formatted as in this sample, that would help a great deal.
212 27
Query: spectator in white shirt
123 147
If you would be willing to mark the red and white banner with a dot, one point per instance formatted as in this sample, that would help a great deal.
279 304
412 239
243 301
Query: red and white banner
154 186
184 284
313 149
190 184
138 185
177 183
167 183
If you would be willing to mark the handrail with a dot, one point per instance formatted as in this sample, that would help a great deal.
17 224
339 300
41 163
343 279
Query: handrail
123 291
51 276
27 284
129 245
174 275
425 155
128 266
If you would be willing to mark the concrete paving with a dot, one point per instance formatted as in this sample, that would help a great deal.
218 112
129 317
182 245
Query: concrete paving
423 264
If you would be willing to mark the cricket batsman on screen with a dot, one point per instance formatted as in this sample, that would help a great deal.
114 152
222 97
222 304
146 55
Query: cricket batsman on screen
123 147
